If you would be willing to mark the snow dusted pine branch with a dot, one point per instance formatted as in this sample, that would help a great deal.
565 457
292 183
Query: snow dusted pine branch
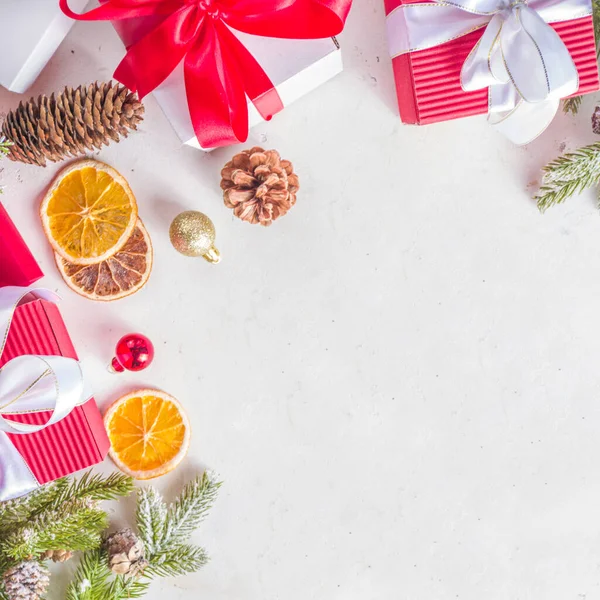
165 532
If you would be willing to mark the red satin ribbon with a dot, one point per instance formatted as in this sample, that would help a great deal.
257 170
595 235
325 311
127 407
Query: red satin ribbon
219 70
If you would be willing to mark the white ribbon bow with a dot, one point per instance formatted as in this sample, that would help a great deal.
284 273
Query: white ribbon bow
519 58
31 384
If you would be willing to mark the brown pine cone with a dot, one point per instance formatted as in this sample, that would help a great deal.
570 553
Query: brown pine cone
126 553
57 555
259 185
26 581
71 123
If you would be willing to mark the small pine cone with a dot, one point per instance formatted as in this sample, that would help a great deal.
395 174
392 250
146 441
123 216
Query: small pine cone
259 186
126 553
596 121
59 556
26 581
71 123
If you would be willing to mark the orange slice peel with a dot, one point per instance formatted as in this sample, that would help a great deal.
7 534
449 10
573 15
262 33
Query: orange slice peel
89 212
120 275
149 433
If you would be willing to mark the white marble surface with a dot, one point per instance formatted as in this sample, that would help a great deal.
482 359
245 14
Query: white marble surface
399 381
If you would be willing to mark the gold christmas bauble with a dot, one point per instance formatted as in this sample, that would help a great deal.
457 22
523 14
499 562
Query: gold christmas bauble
193 234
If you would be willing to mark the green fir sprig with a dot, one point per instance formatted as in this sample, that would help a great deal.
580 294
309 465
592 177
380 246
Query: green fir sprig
61 515
75 527
4 146
92 580
572 105
165 531
55 495
568 175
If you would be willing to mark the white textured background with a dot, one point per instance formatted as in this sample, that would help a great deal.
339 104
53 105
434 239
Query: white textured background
399 381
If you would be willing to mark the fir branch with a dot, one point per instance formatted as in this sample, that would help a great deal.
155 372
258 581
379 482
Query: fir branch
71 528
23 509
91 577
568 175
121 588
163 530
4 146
53 496
93 581
151 518
190 509
572 105
178 561
97 487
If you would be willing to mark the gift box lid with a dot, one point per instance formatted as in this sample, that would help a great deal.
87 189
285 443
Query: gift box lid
17 265
78 441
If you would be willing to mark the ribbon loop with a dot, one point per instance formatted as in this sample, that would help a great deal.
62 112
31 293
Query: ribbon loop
35 383
29 384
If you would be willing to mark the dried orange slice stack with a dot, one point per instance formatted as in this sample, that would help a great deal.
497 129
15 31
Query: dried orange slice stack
90 218
149 433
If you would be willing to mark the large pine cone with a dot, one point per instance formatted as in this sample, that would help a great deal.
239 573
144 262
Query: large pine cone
259 186
125 553
71 123
26 581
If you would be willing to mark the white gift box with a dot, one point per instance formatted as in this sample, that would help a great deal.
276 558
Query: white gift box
32 30
296 67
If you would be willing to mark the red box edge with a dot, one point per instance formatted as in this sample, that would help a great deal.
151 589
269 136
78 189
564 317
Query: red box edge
28 266
93 418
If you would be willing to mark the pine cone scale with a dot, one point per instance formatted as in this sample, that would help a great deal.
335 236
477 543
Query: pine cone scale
235 196
242 178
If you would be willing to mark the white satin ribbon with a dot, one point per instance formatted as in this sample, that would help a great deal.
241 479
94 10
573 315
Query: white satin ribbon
31 384
519 58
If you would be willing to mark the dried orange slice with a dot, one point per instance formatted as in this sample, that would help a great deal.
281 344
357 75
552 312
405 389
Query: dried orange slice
89 212
121 275
149 433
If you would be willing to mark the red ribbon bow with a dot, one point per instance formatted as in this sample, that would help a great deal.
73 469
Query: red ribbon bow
219 71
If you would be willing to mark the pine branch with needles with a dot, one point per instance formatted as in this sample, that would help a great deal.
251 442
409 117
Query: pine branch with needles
568 175
55 495
164 533
54 520
572 105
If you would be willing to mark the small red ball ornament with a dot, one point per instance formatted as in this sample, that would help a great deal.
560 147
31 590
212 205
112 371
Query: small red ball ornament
134 352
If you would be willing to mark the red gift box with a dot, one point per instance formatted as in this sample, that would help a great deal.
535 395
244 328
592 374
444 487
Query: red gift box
17 265
79 440
428 81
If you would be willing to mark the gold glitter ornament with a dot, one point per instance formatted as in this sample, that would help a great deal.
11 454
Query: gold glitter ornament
192 233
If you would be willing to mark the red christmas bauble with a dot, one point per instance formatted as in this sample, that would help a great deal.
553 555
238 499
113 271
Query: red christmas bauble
134 352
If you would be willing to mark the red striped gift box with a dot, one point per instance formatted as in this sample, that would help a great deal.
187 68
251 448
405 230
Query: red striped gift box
428 81
79 440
